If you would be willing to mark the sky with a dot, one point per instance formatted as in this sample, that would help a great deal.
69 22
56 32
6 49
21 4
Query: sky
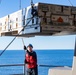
39 42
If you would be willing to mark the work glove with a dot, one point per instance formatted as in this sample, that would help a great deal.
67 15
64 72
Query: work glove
25 47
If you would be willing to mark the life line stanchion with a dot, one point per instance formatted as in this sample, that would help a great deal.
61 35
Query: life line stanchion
24 54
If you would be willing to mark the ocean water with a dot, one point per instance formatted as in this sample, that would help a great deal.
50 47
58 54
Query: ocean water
45 57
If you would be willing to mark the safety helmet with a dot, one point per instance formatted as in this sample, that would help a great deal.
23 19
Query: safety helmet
30 45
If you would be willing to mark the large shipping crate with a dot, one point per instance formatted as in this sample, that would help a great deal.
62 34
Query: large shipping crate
12 24
49 20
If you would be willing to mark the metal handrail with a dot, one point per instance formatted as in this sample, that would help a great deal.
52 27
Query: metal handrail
7 65
10 65
53 66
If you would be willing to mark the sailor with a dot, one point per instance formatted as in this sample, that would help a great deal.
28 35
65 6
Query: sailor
31 60
34 11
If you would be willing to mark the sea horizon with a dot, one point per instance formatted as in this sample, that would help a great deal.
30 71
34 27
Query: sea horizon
38 49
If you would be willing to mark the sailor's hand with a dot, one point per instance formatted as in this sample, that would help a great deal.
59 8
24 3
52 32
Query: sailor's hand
25 47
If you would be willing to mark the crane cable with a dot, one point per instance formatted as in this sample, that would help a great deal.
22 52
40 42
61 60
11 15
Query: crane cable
20 4
15 37
0 1
70 2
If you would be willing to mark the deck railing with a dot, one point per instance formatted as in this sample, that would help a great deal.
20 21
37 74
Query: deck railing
20 69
